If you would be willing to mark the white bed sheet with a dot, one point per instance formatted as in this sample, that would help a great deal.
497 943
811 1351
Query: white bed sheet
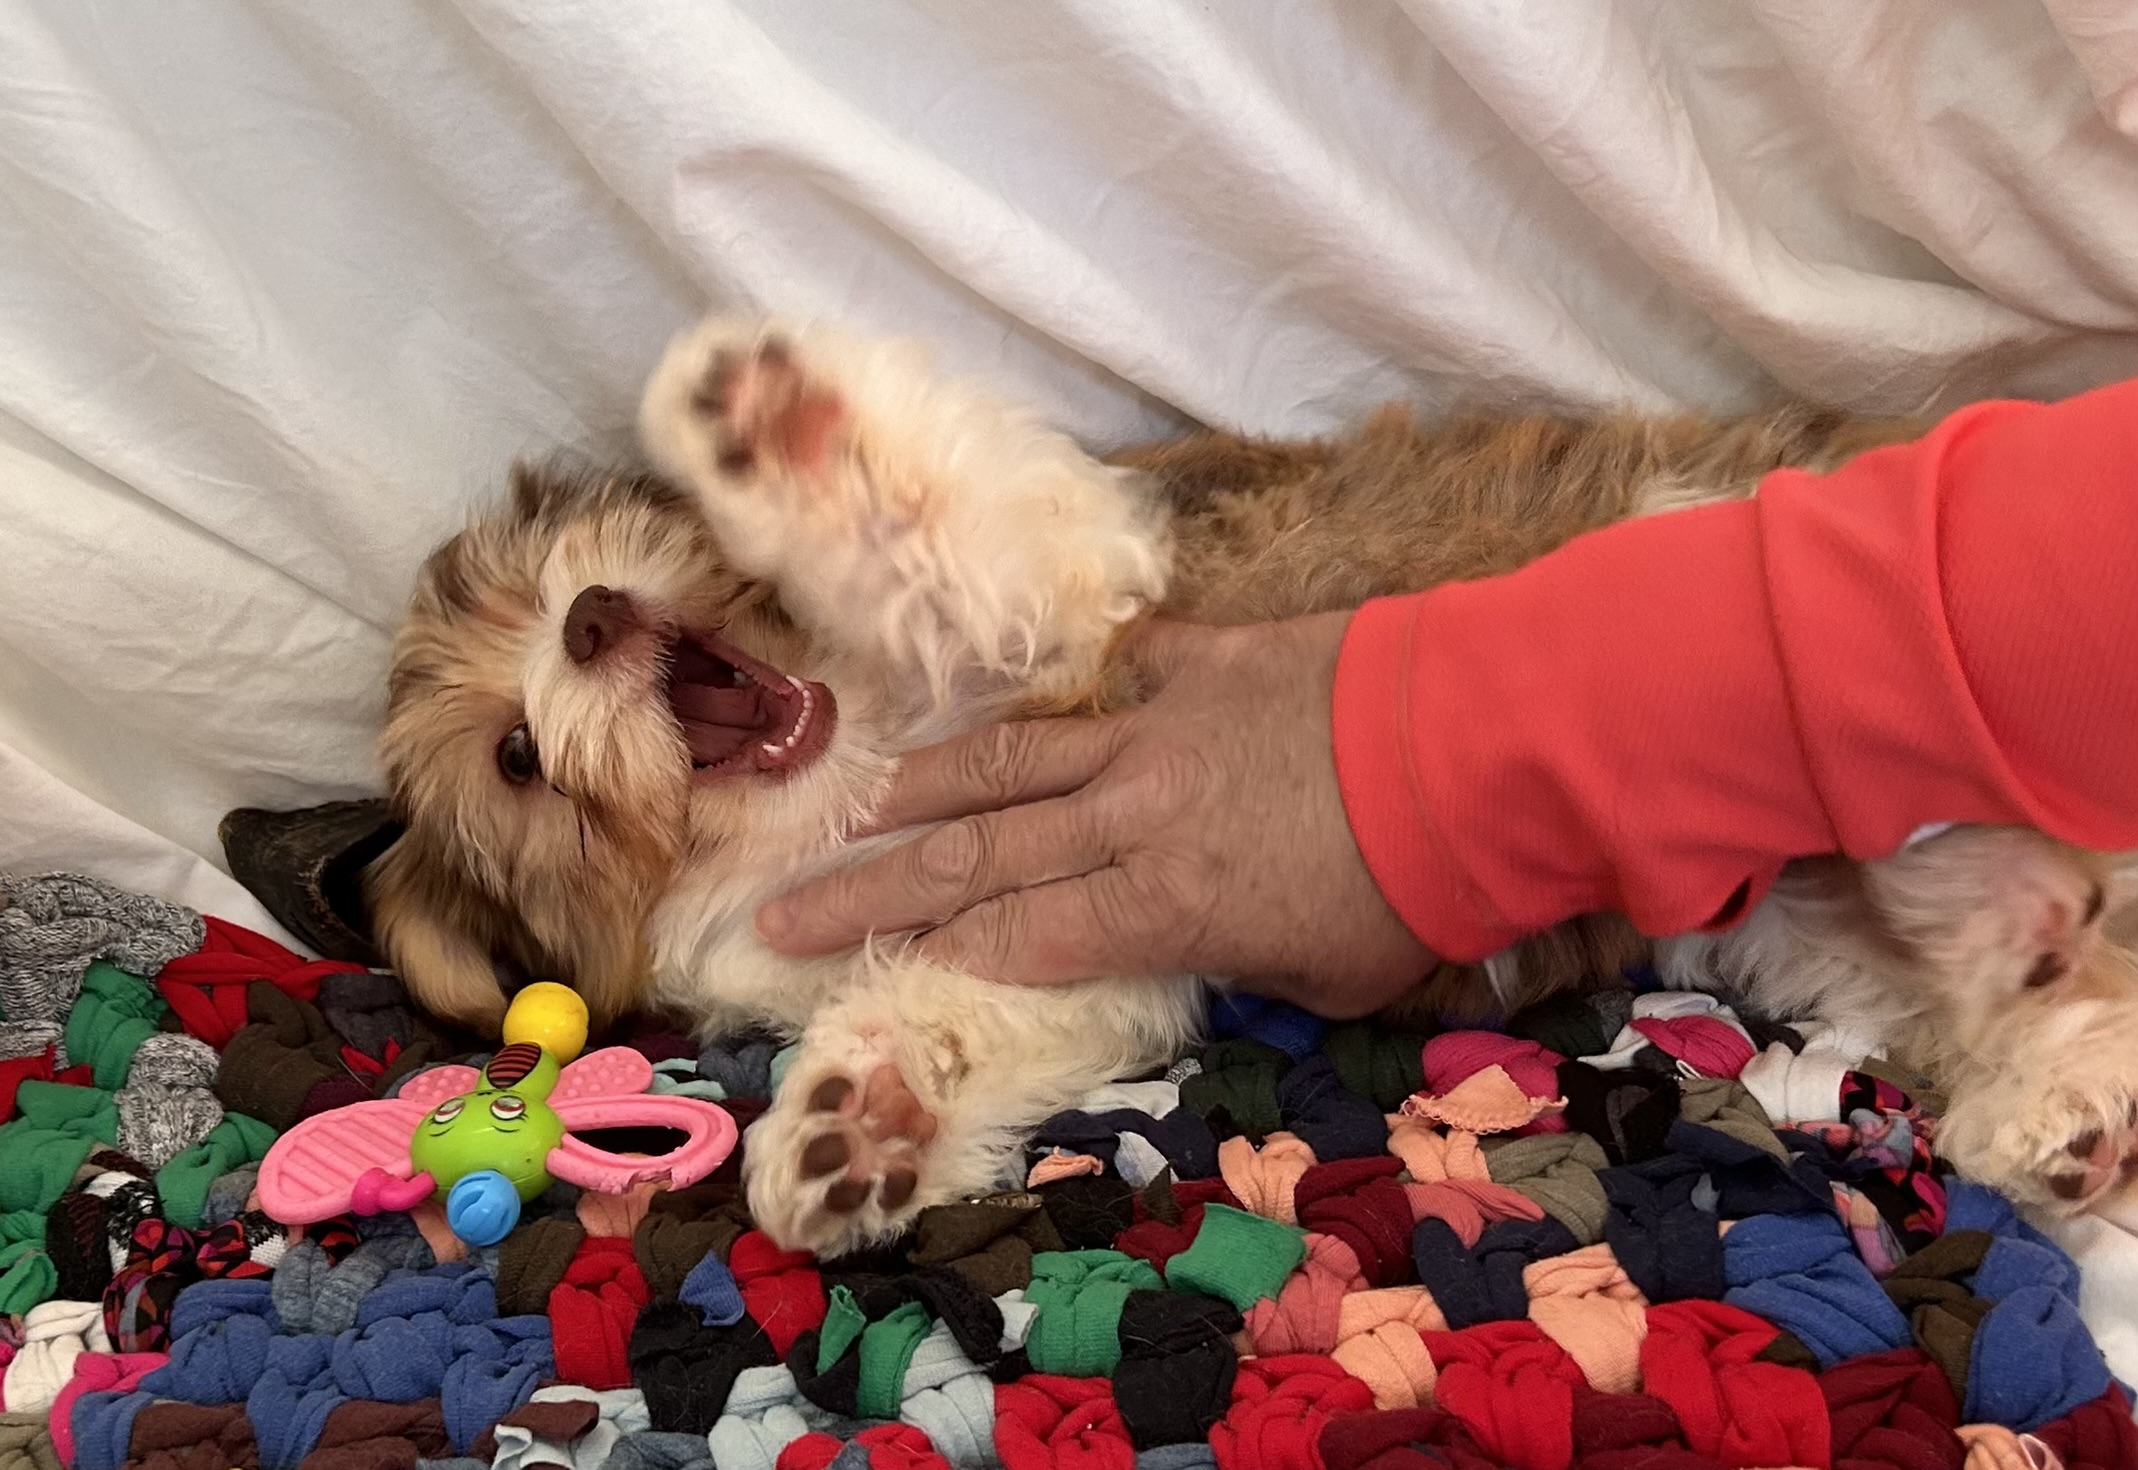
283 288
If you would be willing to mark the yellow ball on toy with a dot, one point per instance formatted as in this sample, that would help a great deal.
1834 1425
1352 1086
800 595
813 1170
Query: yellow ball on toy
550 1015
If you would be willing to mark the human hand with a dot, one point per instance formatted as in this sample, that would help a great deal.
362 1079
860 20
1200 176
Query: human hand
1200 832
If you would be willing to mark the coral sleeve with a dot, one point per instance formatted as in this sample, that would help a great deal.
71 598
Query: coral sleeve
1654 718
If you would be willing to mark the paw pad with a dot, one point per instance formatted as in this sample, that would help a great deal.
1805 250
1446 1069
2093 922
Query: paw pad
765 411
2106 1158
865 1141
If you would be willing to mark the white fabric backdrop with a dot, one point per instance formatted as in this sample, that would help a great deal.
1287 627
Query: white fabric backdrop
283 287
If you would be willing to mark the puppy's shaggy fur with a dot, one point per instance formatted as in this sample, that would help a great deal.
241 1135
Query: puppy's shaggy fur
623 714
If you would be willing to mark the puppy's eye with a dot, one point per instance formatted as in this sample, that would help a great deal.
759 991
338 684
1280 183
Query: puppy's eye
517 759
2096 902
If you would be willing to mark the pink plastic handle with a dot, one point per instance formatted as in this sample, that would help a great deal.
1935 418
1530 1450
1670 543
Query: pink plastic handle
711 1138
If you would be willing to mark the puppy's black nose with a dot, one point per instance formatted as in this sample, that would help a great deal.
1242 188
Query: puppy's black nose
597 621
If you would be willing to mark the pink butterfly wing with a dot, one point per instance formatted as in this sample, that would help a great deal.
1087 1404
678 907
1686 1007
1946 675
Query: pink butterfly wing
309 1171
439 1083
614 1071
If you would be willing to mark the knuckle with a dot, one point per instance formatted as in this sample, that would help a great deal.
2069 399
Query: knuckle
1169 780
992 762
1123 911
854 899
1001 930
952 861
1088 834
1179 902
990 935
1233 645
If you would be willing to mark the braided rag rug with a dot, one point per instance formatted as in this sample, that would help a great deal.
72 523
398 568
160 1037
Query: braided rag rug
1634 1232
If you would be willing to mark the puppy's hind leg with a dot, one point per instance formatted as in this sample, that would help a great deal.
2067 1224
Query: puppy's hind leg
940 533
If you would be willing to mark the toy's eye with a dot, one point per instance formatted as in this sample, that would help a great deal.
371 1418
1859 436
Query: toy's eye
447 1111
508 1109
517 759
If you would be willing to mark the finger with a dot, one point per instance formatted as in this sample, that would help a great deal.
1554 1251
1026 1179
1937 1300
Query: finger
1051 934
930 880
1161 648
998 766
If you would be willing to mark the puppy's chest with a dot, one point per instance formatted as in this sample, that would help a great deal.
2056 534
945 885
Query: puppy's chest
714 969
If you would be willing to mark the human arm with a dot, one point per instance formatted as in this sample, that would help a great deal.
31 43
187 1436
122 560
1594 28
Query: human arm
1652 719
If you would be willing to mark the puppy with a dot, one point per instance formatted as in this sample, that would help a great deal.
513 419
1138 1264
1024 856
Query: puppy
625 710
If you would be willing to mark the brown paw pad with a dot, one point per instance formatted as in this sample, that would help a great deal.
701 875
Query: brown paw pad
826 1154
763 404
898 1187
830 1095
715 393
847 1196
865 1141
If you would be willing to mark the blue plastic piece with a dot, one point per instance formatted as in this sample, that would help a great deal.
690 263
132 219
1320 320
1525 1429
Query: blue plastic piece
483 1207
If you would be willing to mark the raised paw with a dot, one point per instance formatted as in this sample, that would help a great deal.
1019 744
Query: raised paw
760 420
764 412
919 521
841 1160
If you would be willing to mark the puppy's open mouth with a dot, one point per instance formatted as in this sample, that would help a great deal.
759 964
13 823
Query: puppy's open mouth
742 717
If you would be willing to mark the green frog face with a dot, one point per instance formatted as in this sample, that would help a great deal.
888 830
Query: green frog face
503 1125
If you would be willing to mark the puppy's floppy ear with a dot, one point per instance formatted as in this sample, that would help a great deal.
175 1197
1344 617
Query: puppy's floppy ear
437 933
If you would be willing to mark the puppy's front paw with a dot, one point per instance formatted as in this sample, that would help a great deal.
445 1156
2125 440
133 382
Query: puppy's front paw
799 444
741 412
918 520
842 1158
761 412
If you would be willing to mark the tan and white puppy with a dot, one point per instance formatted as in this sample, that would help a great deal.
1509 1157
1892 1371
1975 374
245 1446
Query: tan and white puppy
626 710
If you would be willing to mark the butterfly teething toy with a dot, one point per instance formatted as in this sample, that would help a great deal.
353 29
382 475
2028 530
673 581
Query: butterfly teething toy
487 1142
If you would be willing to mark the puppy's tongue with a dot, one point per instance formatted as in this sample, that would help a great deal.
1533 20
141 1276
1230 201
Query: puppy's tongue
718 722
745 708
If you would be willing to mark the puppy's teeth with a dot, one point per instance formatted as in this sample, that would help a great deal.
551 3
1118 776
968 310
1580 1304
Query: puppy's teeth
770 749
799 686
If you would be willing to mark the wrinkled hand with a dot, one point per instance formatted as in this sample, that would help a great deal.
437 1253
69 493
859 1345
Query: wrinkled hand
1200 832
